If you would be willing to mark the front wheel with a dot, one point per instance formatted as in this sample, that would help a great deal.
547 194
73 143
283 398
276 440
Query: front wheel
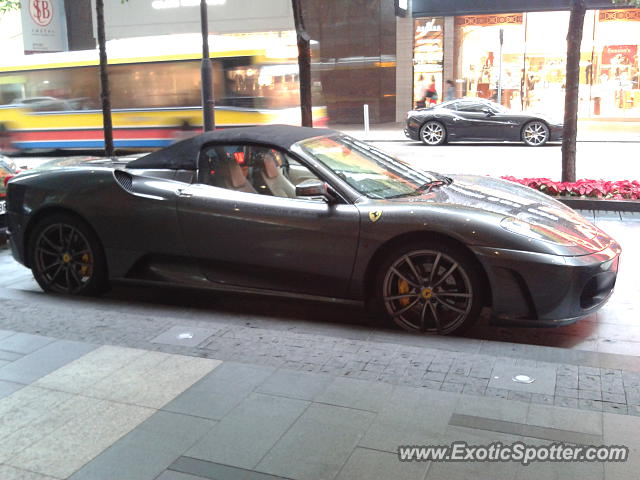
429 287
535 134
433 133
66 256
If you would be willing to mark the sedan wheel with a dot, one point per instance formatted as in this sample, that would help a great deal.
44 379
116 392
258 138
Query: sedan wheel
535 134
433 133
66 257
434 289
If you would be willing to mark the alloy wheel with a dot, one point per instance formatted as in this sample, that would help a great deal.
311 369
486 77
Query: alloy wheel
63 258
535 134
428 291
432 133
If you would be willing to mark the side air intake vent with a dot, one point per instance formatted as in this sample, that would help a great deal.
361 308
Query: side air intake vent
124 179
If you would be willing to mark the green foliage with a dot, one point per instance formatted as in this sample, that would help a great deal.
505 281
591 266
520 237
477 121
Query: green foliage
626 3
7 5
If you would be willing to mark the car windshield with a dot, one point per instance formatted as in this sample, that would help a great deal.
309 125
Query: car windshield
498 108
368 170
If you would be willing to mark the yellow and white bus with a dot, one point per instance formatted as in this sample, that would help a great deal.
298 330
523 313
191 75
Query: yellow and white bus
52 101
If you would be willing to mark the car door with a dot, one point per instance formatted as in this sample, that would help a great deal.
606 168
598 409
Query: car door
504 125
471 122
243 238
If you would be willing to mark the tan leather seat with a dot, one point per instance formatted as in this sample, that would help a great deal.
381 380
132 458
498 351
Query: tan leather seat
271 175
232 177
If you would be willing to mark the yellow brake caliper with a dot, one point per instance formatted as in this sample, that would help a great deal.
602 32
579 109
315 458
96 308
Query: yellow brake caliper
403 287
84 269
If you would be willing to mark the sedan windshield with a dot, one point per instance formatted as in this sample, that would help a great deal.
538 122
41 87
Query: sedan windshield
368 170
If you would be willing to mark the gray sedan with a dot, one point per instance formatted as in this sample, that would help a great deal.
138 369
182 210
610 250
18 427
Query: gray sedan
477 119
315 214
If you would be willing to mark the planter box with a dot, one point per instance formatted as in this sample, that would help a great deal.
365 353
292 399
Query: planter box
597 204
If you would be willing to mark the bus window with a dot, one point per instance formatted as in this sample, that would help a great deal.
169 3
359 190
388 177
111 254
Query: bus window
53 89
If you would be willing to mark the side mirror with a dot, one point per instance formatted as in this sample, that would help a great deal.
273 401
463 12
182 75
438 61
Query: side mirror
312 188
488 112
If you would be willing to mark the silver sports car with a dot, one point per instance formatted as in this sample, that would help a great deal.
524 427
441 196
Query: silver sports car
316 214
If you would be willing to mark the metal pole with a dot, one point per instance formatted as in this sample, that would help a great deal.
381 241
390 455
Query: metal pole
208 103
304 65
366 120
500 67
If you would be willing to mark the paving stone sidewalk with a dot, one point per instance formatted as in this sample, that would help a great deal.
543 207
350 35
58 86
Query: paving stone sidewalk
81 411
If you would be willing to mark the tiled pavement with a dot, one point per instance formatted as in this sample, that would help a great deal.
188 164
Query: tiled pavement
113 413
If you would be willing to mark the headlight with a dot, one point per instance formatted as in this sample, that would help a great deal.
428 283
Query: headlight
535 232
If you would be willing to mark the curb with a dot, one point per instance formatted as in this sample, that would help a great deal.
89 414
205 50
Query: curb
595 204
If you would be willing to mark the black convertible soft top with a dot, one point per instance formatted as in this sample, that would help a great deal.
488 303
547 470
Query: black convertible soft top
184 154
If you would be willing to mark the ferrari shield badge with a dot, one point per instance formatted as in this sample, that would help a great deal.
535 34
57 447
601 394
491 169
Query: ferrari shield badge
375 215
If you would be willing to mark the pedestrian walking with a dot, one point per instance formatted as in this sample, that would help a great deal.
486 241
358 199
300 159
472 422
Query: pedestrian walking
450 92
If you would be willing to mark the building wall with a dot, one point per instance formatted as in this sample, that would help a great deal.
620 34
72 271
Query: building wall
138 18
427 8
79 25
356 57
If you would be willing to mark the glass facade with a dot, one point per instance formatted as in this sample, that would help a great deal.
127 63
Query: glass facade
530 63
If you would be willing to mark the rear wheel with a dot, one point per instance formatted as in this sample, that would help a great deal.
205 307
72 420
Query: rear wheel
66 256
429 287
433 133
535 134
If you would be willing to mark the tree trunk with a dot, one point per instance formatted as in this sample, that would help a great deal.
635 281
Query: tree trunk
105 94
304 64
572 84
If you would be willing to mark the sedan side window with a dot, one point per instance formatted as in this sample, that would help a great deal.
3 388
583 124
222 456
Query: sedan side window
251 169
470 107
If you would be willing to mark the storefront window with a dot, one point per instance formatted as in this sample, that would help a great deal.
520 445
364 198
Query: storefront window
428 54
479 56
534 61
616 83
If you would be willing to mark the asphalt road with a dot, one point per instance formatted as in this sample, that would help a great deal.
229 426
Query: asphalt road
595 160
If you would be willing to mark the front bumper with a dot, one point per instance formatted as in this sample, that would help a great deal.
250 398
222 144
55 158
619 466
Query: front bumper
541 289
412 128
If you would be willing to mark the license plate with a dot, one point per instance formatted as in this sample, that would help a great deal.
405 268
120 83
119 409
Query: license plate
3 207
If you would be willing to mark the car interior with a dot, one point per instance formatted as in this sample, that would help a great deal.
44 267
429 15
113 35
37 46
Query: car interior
252 169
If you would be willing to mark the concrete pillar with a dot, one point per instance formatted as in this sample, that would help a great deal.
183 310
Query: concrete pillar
404 67
449 67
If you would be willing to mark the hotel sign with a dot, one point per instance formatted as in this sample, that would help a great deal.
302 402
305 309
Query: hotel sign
44 26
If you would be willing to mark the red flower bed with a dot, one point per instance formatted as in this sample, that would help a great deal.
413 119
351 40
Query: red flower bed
621 190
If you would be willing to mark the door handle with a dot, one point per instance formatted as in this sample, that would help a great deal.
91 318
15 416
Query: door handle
183 193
